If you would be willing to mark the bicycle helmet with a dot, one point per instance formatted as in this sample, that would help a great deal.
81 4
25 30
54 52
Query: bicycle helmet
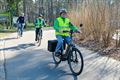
40 15
63 11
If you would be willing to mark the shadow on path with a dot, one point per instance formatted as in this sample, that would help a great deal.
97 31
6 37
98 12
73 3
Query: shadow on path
10 38
19 47
35 65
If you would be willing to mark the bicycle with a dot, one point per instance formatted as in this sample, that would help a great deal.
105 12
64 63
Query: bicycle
39 37
18 31
71 55
20 27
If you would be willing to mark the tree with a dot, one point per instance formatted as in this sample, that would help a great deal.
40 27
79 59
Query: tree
13 9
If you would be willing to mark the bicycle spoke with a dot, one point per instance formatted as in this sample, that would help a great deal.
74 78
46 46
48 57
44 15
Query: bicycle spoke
76 62
57 60
39 39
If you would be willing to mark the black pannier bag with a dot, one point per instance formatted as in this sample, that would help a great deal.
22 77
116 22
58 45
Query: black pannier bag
52 45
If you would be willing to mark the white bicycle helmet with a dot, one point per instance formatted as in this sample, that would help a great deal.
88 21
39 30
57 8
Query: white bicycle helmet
63 10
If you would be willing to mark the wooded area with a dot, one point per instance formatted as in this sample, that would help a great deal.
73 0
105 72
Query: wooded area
101 18
32 8
49 8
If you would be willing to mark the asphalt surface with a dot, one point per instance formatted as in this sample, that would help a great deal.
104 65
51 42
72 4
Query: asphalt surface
21 59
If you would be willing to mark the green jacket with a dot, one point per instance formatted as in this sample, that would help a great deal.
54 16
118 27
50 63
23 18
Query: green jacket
63 24
39 23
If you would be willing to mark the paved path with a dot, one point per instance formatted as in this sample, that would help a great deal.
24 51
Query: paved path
20 59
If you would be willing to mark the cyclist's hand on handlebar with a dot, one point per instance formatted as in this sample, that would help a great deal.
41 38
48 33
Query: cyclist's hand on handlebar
78 31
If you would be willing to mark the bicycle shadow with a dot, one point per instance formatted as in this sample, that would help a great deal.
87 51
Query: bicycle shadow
75 77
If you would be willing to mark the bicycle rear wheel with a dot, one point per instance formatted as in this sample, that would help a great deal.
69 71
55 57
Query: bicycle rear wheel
75 61
57 60
39 39
18 33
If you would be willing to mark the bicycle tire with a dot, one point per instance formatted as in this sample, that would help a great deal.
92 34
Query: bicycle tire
39 39
69 61
55 58
19 33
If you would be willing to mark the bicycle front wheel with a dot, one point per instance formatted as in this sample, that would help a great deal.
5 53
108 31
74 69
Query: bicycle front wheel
75 61
18 33
39 40
57 60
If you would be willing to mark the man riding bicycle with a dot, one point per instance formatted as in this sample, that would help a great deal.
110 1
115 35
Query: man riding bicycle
21 23
39 23
61 24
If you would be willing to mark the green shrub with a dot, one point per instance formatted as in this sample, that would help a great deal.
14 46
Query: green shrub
30 25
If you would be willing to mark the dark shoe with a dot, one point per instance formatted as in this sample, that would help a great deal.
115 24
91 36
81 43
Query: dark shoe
36 39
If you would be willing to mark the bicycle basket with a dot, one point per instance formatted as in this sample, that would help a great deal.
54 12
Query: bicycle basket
52 45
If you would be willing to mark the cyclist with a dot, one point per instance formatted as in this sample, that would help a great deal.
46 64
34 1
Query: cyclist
21 23
61 24
39 23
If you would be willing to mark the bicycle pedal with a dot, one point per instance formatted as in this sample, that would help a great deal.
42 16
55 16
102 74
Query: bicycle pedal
63 59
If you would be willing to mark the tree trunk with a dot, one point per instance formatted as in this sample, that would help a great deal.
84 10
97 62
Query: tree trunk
17 11
25 10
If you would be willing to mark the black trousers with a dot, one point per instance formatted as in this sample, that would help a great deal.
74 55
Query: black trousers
37 32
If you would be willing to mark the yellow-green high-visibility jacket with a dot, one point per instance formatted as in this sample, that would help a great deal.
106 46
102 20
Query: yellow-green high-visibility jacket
39 23
63 24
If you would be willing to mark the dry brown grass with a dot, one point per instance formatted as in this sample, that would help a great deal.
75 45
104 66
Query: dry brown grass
100 20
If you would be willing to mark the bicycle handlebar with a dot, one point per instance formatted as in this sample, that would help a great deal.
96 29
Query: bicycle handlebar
71 31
